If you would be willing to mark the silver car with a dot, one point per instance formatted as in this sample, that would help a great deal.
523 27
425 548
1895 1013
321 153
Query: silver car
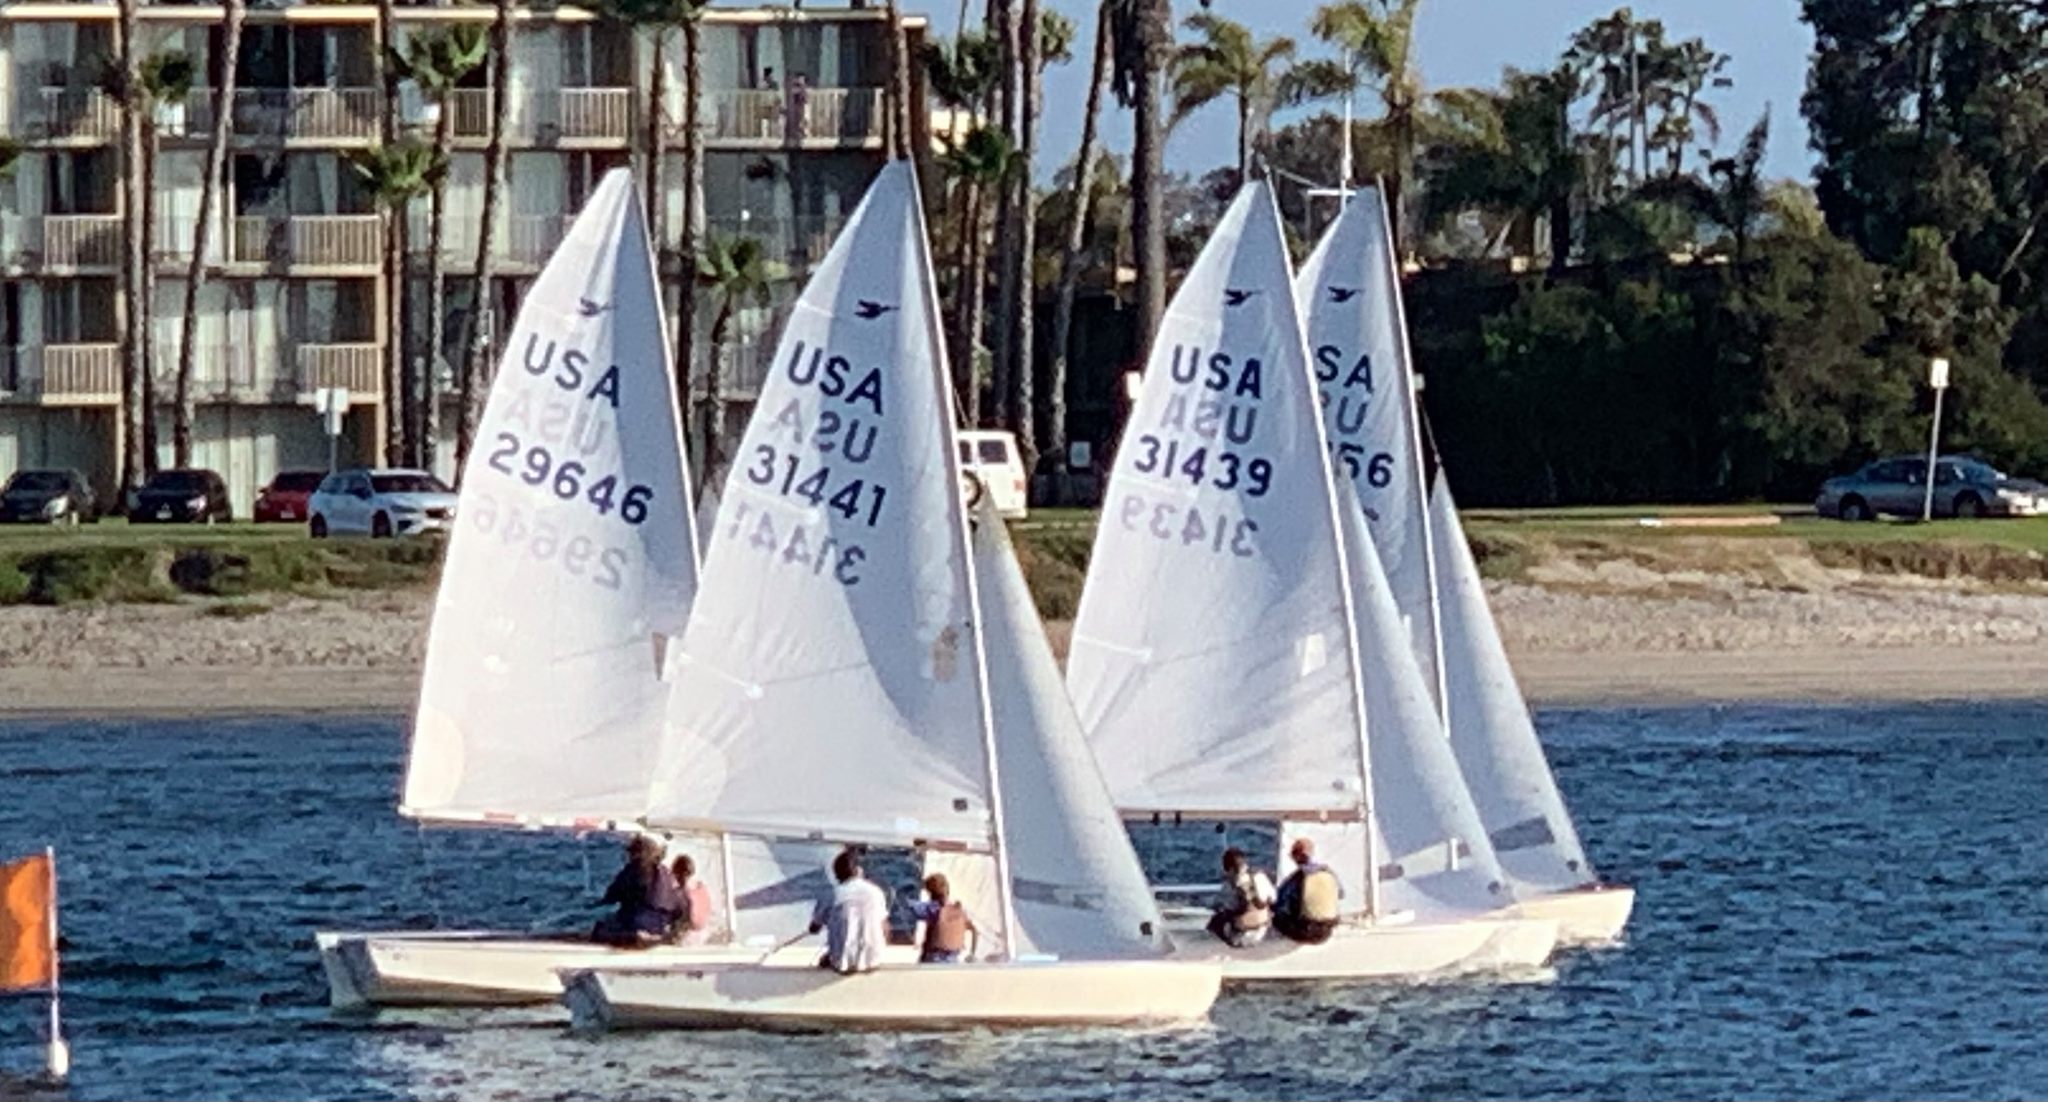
1963 487
379 503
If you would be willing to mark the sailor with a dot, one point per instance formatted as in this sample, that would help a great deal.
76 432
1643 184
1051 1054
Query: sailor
1307 908
1244 910
948 932
693 925
646 895
855 918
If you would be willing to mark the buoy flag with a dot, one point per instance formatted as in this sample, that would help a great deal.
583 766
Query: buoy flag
28 951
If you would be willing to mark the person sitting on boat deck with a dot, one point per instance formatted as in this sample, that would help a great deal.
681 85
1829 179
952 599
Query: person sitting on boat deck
693 925
1306 909
1244 911
948 932
855 919
646 895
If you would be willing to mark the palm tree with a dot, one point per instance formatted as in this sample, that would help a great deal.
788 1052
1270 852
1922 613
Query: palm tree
1521 160
1228 61
1032 42
959 76
1377 41
737 271
394 176
135 261
981 161
235 12
689 236
397 410
1143 33
1737 199
1071 243
479 327
167 78
1684 73
436 62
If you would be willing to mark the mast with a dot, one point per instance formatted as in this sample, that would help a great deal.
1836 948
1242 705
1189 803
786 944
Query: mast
1354 671
999 838
58 1052
1411 387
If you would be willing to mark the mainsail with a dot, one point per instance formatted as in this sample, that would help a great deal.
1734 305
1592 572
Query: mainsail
573 559
1213 662
1350 295
828 685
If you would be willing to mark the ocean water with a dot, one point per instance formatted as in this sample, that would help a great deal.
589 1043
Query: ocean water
1834 903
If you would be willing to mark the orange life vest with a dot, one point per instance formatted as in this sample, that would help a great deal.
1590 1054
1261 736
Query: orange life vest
699 898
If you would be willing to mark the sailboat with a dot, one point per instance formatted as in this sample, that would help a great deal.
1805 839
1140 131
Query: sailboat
568 577
1349 293
863 665
1218 663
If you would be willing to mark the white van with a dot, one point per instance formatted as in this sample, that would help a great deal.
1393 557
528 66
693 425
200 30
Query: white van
993 458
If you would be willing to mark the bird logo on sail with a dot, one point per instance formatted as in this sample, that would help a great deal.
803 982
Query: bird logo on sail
1342 294
1236 298
591 308
868 310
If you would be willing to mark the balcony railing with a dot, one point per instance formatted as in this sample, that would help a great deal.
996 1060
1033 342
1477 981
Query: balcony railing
287 114
534 237
80 241
80 374
359 367
55 114
218 370
834 116
309 240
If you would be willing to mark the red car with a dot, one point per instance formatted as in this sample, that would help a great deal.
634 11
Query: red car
284 500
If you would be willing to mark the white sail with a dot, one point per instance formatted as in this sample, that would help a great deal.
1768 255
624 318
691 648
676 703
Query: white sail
1495 741
1435 858
573 558
1079 891
827 685
1350 295
1212 663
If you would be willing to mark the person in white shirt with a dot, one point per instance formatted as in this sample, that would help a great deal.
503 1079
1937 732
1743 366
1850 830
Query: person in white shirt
1244 912
855 919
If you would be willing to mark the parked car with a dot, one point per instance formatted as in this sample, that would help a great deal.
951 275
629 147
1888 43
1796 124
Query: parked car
993 458
286 498
379 503
182 497
48 497
1963 487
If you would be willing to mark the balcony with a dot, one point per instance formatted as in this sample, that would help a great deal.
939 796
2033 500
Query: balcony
79 375
218 371
813 117
359 367
534 237
565 116
354 241
323 115
83 115
69 242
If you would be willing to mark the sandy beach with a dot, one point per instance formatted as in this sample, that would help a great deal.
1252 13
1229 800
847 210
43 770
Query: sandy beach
1611 633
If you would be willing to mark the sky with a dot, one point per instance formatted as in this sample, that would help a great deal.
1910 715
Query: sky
1469 42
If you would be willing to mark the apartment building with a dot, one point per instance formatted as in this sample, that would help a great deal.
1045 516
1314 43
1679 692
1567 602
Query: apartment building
792 121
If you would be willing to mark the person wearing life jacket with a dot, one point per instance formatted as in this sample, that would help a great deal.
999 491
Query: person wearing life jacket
949 935
693 926
1244 910
1306 910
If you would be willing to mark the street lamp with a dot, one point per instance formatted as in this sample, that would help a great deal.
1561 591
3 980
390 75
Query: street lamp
1937 377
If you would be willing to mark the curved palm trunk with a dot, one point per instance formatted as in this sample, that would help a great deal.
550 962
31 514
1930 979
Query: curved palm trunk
1002 381
437 292
146 323
1025 231
135 337
480 326
687 235
1055 421
202 231
397 405
1148 170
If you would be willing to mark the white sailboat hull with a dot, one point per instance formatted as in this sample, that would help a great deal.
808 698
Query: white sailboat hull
1586 916
485 968
905 997
1361 951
